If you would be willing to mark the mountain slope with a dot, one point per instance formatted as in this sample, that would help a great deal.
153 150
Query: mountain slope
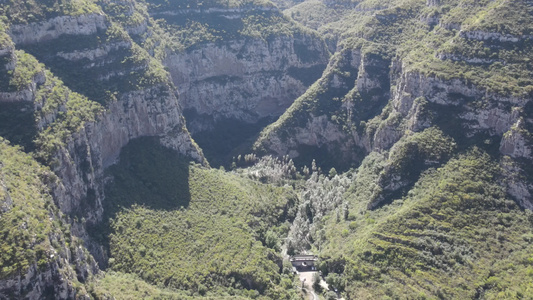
454 235
403 160
40 256
237 65
95 91
189 228
413 65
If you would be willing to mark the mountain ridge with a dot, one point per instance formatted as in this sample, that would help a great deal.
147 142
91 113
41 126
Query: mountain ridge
391 138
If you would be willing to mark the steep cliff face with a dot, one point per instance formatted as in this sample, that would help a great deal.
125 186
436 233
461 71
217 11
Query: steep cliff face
236 63
448 84
327 118
40 257
76 136
50 29
132 109
246 79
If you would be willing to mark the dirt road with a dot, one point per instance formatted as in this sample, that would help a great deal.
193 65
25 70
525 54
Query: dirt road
308 283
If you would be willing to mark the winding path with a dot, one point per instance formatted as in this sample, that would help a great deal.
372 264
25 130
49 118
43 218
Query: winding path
313 294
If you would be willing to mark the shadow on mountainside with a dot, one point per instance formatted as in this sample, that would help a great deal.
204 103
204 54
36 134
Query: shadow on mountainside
228 138
150 175
17 124
147 174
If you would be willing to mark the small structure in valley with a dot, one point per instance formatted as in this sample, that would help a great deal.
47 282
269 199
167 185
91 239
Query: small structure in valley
304 263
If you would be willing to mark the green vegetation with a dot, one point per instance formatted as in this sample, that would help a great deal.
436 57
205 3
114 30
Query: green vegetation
29 235
315 13
407 159
17 122
29 11
499 63
490 55
166 5
191 26
264 27
128 14
5 40
53 98
189 228
128 286
454 235
427 147
26 68
71 111
336 94
125 68
426 217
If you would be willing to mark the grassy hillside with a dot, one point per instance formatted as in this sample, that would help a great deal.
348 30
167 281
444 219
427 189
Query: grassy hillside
127 286
454 235
25 199
192 23
22 12
499 62
200 230
34 233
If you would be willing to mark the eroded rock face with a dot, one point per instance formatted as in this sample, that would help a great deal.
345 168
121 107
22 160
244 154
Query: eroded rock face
242 73
246 79
152 111
26 94
516 142
242 77
356 85
51 29
321 133
80 161
54 279
517 187
416 101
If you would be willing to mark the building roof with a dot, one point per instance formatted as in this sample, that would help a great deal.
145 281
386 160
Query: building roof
304 258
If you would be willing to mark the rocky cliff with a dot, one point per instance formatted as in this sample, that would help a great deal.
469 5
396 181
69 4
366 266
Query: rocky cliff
247 79
328 117
73 134
246 64
131 111
41 257
447 84
429 101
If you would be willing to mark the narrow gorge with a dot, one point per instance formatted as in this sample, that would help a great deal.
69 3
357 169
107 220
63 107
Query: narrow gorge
185 149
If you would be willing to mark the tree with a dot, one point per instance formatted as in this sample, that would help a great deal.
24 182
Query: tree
316 283
271 240
335 281
332 172
330 295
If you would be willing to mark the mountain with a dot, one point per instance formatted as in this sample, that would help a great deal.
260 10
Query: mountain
414 66
392 139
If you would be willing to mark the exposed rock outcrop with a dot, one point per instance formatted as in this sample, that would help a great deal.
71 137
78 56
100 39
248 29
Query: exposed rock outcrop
353 89
51 29
246 79
152 111
244 71
410 99
80 159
